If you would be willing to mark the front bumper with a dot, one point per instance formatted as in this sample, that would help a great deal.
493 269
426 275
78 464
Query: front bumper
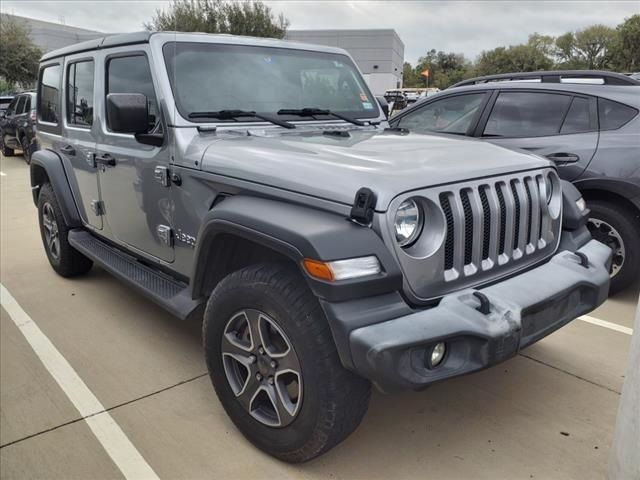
523 309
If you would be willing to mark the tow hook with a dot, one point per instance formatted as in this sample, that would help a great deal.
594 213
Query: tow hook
485 305
584 260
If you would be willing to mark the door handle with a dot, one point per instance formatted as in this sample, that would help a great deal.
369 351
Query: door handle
563 157
106 159
69 150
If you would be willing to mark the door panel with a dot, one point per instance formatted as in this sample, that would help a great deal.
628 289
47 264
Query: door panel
560 127
137 206
78 144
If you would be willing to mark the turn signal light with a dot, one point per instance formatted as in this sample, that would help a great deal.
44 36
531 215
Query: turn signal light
318 269
343 269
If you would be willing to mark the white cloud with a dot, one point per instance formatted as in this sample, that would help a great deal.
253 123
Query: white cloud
464 26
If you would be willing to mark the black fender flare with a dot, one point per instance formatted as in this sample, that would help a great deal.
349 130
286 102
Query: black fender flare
49 162
298 232
623 188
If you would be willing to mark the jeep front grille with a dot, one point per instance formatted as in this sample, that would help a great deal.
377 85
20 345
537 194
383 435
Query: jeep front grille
490 228
494 223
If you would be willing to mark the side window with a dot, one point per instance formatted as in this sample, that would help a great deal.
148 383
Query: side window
449 115
27 104
20 107
80 93
132 75
49 94
527 114
613 114
12 106
578 117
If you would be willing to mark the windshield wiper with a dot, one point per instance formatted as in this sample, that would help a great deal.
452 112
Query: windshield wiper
312 112
235 114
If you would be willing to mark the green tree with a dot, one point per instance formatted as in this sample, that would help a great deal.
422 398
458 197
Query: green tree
625 52
590 48
409 77
19 56
536 54
444 68
220 16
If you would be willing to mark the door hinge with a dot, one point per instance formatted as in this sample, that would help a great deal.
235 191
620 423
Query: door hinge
161 174
165 234
97 206
166 177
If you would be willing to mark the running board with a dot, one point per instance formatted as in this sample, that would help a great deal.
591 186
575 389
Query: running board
169 293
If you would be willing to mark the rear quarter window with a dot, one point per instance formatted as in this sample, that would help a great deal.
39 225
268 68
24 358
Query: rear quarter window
613 115
49 94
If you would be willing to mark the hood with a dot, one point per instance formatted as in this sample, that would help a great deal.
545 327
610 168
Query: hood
334 167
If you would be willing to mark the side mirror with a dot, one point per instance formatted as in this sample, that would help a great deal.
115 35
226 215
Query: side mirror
383 105
3 114
127 112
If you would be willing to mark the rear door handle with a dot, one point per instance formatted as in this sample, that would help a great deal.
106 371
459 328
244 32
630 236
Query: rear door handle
106 159
69 150
563 157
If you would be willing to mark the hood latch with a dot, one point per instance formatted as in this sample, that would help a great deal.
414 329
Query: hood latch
363 207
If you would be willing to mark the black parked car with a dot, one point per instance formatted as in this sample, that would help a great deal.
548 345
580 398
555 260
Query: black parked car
18 126
587 122
5 100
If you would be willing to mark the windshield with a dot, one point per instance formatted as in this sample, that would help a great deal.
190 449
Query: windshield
214 77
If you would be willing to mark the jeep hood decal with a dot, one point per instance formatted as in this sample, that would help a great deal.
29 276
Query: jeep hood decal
334 167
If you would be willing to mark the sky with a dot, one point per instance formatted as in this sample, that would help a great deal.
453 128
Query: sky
466 27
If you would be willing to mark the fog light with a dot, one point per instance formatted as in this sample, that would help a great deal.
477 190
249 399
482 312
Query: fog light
436 355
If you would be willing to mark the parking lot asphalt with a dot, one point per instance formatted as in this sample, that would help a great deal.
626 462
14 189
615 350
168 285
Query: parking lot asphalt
548 413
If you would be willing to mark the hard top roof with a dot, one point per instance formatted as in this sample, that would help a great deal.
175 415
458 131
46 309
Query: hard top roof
144 37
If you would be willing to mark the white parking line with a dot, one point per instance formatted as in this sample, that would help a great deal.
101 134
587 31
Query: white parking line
605 324
123 453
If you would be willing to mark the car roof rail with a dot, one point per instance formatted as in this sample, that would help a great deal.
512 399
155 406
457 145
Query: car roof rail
554 76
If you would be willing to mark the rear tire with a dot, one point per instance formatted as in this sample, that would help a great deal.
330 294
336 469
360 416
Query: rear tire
619 228
64 259
330 401
6 151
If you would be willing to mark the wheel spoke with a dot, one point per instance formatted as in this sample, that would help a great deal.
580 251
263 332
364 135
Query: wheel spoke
237 334
288 361
253 320
272 338
288 385
250 392
239 382
231 345
284 415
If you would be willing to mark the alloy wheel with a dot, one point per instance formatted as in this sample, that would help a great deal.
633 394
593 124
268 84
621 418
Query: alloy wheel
51 231
607 234
262 368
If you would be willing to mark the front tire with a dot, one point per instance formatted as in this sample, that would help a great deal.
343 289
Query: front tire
619 228
26 149
64 259
274 364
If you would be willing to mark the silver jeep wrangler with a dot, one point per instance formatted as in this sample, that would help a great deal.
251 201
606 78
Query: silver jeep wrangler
256 183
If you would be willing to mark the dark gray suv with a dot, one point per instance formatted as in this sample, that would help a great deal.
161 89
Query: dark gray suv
586 122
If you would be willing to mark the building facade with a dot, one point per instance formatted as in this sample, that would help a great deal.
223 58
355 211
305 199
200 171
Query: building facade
51 36
378 53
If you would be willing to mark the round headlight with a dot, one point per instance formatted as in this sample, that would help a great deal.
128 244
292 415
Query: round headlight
548 184
408 223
